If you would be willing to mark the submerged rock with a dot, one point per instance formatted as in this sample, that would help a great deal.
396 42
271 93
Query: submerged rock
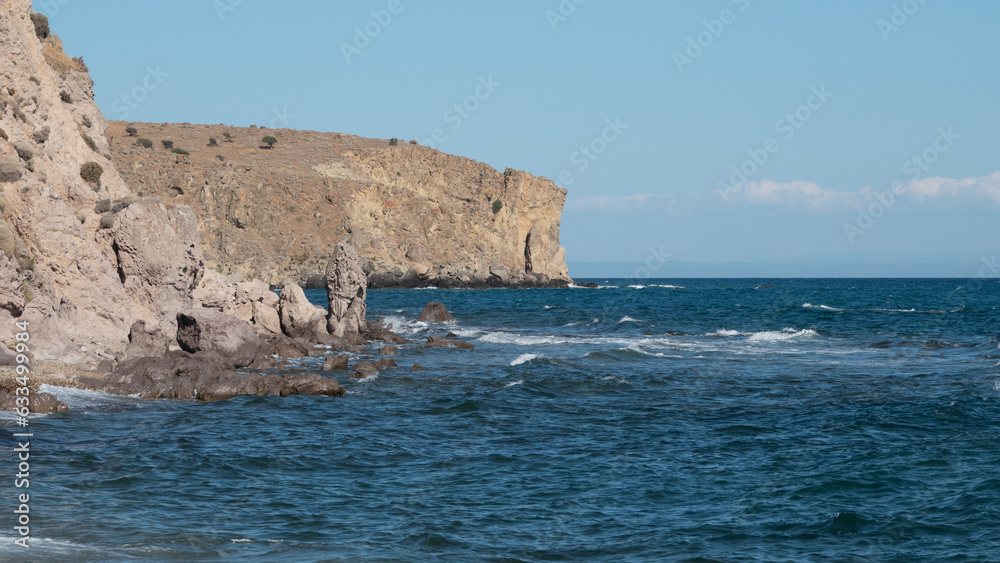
38 403
439 342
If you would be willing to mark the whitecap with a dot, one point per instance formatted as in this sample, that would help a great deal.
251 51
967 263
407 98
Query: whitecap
513 383
637 286
822 307
726 332
780 335
523 359
628 319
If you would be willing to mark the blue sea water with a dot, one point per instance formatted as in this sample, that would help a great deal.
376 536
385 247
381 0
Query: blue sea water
702 420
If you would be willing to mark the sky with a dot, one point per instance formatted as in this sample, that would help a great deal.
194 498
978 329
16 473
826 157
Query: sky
718 131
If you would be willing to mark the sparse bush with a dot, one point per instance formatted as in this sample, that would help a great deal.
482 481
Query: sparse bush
393 142
41 135
80 65
29 293
107 221
414 142
91 173
132 131
35 80
220 157
144 143
41 25
497 205
168 144
212 142
180 151
102 206
269 140
10 169
65 97
86 121
229 138
90 142
24 150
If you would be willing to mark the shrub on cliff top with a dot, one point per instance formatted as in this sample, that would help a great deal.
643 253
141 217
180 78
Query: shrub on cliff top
229 138
393 142
41 25
91 173
212 142
144 143
132 131
269 140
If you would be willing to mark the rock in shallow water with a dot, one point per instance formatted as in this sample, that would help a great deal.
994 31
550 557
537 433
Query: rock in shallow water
209 330
436 313
438 342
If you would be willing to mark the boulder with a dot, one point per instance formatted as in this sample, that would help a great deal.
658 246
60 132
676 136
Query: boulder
283 346
389 350
439 342
145 342
297 314
338 363
436 313
310 384
206 329
385 363
417 367
346 290
266 317
365 368
39 403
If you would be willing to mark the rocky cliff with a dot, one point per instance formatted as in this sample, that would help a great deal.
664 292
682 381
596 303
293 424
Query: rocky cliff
415 215
59 268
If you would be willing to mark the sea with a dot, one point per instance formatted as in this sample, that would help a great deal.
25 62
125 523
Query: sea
641 420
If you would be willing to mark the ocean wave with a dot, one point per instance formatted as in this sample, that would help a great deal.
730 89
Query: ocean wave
780 335
822 307
628 319
726 332
401 325
523 359
513 383
640 349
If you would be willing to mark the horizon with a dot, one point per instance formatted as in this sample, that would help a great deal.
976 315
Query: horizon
738 133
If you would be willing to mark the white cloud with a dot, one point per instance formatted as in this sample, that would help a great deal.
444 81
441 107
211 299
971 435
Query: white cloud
617 203
813 196
796 193
983 187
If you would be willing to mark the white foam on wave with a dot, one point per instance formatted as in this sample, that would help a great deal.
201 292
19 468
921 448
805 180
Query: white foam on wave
628 319
668 286
513 383
401 325
726 332
637 286
85 398
781 335
639 348
523 359
822 307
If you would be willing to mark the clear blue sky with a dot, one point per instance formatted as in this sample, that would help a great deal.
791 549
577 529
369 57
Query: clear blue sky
886 81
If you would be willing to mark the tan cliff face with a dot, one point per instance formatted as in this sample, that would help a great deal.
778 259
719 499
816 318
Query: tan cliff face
60 252
275 213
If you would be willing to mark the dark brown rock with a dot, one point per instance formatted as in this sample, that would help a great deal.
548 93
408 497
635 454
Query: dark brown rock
38 403
338 363
417 367
438 342
436 312
145 342
283 346
365 368
389 350
385 363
